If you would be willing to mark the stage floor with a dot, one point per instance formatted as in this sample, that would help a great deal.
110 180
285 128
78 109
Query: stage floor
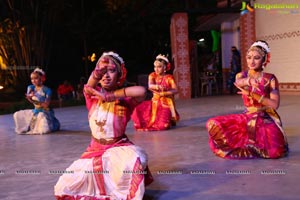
180 160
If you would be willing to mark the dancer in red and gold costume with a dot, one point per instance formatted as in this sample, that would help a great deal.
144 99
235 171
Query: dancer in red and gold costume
159 113
258 132
112 167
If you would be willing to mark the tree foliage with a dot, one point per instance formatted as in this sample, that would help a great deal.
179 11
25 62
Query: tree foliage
25 39
137 29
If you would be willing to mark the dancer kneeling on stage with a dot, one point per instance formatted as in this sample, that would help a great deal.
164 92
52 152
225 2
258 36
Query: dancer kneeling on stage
258 132
112 167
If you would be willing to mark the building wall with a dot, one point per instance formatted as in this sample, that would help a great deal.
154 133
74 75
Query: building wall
281 29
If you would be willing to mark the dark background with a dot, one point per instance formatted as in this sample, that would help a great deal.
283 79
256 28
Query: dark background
74 29
137 30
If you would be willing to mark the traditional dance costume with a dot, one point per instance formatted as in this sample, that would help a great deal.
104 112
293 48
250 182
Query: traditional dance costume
112 167
160 112
255 133
38 120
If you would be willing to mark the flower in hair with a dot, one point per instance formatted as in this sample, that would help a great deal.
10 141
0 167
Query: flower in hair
115 55
39 70
268 57
262 45
163 57
123 75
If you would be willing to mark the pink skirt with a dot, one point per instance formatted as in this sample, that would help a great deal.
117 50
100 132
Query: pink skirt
238 136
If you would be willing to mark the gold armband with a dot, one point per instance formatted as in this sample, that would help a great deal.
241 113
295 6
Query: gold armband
120 93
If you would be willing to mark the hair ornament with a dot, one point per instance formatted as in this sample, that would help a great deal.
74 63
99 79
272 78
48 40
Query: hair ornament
39 70
114 55
262 45
267 60
163 57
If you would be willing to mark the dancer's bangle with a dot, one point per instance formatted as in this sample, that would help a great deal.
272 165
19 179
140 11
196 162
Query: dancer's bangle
120 93
261 98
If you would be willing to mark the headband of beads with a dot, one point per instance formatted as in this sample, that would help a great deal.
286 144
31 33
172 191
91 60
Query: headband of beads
39 70
163 57
114 55
262 45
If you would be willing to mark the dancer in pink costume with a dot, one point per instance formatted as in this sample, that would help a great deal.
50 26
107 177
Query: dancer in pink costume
112 167
258 132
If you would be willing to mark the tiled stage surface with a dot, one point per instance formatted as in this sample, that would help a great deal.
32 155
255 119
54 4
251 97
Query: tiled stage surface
183 151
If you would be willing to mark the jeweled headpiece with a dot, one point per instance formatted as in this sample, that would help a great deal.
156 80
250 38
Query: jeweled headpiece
39 70
262 45
116 56
163 57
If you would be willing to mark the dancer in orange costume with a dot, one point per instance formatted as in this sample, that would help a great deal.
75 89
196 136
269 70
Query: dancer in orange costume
159 113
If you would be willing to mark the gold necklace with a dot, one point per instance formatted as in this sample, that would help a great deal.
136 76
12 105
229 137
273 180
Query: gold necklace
103 121
161 78
256 75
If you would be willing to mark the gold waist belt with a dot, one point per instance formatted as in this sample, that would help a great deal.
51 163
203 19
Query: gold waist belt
256 109
109 141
